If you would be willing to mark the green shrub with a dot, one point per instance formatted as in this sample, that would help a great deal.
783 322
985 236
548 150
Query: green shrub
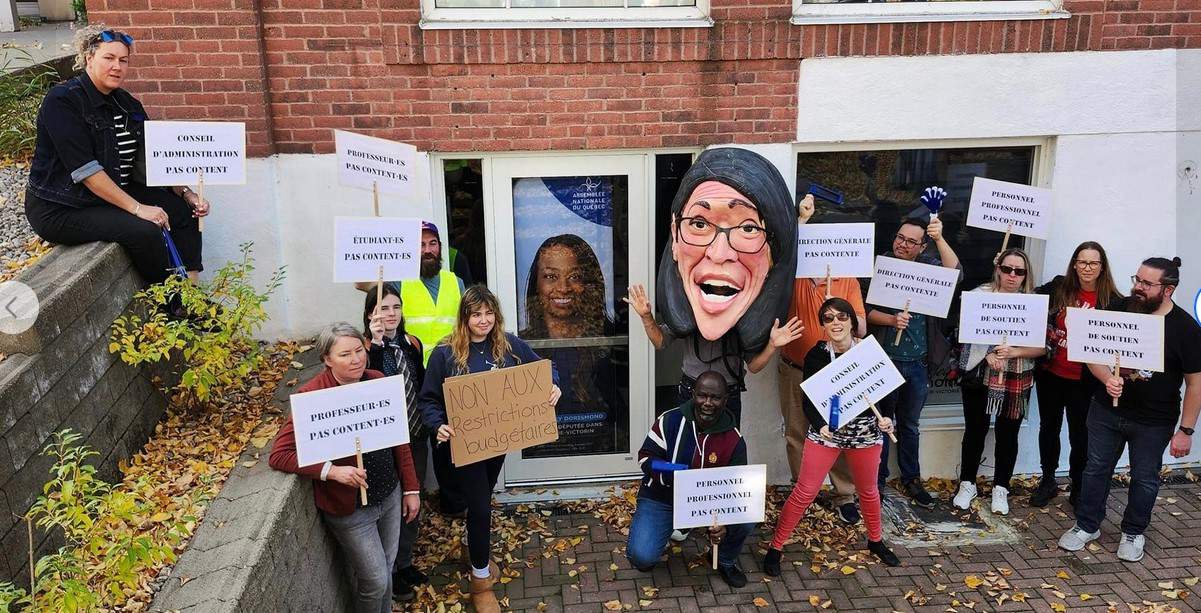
21 94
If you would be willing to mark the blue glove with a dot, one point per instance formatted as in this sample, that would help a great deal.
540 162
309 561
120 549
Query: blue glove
835 412
663 466
933 197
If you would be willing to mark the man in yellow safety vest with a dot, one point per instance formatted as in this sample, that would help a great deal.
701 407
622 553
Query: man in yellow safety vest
430 304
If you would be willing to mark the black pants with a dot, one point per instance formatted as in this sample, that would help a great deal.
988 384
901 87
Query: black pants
1055 396
475 482
976 422
64 225
450 500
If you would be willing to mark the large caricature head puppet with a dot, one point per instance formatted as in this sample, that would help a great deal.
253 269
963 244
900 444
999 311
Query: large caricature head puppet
732 257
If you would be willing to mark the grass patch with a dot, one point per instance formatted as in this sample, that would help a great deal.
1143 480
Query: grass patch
21 94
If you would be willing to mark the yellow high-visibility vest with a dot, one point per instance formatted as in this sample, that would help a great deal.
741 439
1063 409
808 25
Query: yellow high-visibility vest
427 321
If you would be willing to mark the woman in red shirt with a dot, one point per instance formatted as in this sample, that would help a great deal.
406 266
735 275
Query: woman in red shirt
1062 385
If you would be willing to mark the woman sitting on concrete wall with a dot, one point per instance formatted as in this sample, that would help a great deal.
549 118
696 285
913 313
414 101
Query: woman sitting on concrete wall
368 534
86 183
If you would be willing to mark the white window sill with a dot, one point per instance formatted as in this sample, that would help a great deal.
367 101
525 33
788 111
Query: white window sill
908 12
509 19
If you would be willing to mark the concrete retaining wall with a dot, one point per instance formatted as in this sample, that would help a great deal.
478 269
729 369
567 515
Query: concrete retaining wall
59 374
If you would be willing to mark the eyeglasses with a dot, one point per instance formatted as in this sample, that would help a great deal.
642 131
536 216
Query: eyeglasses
829 317
1088 265
109 36
909 242
743 238
1137 282
1009 270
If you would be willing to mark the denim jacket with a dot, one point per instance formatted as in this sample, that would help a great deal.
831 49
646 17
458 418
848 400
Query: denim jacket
77 137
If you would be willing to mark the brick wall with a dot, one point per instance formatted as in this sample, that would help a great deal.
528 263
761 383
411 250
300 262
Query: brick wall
295 69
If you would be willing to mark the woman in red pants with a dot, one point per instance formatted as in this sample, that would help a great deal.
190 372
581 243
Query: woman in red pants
859 441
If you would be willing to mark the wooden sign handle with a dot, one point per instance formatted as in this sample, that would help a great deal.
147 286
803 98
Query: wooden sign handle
200 195
871 405
714 546
375 197
901 331
1004 362
358 457
379 288
1117 372
1004 245
829 295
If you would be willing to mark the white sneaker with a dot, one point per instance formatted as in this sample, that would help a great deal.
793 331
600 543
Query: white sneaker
1130 548
679 536
1000 500
1075 539
967 493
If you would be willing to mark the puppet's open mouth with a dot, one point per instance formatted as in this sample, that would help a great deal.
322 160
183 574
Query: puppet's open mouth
719 291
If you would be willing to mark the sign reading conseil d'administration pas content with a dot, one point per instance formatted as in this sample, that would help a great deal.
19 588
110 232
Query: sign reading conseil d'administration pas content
368 162
178 152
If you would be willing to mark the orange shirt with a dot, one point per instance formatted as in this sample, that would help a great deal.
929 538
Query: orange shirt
807 296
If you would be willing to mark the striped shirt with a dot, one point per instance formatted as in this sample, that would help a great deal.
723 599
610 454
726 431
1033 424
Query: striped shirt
127 148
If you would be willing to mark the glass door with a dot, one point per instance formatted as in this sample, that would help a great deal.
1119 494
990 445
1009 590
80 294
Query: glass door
568 235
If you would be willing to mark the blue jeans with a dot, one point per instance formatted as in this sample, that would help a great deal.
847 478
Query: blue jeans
906 403
369 538
1108 433
651 527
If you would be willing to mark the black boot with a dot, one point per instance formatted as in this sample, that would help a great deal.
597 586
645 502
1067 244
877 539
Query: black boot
1046 491
771 562
883 552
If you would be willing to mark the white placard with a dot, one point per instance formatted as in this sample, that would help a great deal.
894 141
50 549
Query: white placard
990 318
997 204
861 374
328 421
847 248
1094 336
366 160
363 244
928 289
732 494
178 151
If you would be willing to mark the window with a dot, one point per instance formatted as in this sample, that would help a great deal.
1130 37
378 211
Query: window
866 11
508 14
883 187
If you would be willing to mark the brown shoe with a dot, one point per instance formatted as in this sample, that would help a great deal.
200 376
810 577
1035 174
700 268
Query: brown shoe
482 596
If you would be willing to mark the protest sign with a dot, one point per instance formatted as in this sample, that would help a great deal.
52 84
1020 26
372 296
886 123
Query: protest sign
901 284
842 249
331 421
865 373
1096 337
499 411
729 495
366 248
993 318
179 152
368 162
1010 207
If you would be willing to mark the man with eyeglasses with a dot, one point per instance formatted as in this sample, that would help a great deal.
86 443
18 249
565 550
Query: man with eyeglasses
1149 408
923 347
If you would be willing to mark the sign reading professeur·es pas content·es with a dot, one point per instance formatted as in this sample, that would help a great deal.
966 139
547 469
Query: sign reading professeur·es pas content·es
1096 336
864 373
328 421
362 245
177 152
729 494
1001 206
847 249
366 161
992 318
923 288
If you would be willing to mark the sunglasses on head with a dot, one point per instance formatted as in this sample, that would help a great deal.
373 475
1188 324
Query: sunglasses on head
110 36
1010 270
829 317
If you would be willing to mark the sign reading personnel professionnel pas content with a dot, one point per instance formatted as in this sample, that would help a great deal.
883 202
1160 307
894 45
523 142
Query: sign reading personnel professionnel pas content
724 496
1002 206
177 152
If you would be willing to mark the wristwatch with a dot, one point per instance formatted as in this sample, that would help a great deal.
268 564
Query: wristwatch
1188 431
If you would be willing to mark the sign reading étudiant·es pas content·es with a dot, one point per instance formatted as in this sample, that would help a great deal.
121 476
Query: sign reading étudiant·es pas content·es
178 152
367 162
993 318
723 496
999 205
365 245
1096 337
328 421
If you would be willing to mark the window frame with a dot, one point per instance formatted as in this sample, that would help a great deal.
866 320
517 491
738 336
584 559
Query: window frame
434 18
806 13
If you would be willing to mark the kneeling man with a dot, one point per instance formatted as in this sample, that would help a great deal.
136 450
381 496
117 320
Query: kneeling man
701 433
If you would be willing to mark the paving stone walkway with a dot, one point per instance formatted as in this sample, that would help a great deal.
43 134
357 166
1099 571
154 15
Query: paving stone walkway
1027 573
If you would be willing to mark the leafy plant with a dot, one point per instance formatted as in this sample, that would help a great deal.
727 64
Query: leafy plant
108 547
81 11
21 94
207 328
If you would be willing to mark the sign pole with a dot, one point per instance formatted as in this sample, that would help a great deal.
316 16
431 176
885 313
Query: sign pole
1004 362
358 457
1004 244
375 196
828 294
901 331
713 546
1117 372
872 406
200 194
